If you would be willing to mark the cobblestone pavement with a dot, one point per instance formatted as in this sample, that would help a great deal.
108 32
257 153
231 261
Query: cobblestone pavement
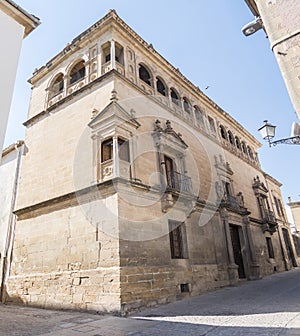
268 307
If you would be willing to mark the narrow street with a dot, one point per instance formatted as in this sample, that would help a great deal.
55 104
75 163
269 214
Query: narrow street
266 307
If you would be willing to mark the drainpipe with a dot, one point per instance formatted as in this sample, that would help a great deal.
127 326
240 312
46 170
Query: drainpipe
7 257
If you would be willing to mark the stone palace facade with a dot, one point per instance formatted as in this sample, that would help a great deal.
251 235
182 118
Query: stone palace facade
136 189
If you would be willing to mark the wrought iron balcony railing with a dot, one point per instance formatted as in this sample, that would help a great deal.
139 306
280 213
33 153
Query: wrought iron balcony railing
179 182
234 202
269 216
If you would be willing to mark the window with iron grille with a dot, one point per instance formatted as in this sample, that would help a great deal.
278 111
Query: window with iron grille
270 247
178 240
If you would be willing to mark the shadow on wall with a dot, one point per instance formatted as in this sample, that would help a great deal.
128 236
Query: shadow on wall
18 301
7 299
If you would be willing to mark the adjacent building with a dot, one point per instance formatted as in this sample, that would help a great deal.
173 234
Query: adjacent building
136 189
15 25
280 20
9 180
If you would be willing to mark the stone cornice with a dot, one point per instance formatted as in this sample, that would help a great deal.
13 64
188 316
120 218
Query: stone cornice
269 177
63 201
256 220
294 204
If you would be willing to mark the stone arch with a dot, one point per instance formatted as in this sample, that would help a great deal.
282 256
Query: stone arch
223 132
145 74
56 85
161 86
77 71
231 138
187 105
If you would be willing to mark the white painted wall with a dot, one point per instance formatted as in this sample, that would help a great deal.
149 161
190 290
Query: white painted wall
9 175
11 36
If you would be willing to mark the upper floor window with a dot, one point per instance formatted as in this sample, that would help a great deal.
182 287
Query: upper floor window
77 72
144 75
123 149
174 97
231 138
187 105
237 142
223 132
119 53
198 114
227 188
57 86
250 153
106 52
279 206
160 86
261 193
212 124
243 146
107 150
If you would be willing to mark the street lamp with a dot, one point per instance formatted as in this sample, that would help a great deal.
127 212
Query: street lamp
252 27
267 132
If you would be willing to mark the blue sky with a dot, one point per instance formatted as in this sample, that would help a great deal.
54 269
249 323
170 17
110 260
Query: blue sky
203 39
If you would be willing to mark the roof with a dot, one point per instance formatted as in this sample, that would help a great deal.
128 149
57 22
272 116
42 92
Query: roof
28 21
12 147
294 204
253 7
271 178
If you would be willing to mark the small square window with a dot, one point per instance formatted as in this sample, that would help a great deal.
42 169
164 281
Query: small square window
184 288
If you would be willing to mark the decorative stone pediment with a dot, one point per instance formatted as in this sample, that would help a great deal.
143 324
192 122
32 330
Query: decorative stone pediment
259 186
222 166
112 116
167 137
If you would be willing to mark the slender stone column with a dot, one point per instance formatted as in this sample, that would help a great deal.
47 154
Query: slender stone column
112 54
162 167
66 81
115 156
95 164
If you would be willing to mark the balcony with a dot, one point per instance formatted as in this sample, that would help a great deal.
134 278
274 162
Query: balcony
77 85
269 216
269 221
233 203
106 67
179 182
56 98
107 170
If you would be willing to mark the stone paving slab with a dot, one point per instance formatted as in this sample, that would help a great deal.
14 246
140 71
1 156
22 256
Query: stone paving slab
110 325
